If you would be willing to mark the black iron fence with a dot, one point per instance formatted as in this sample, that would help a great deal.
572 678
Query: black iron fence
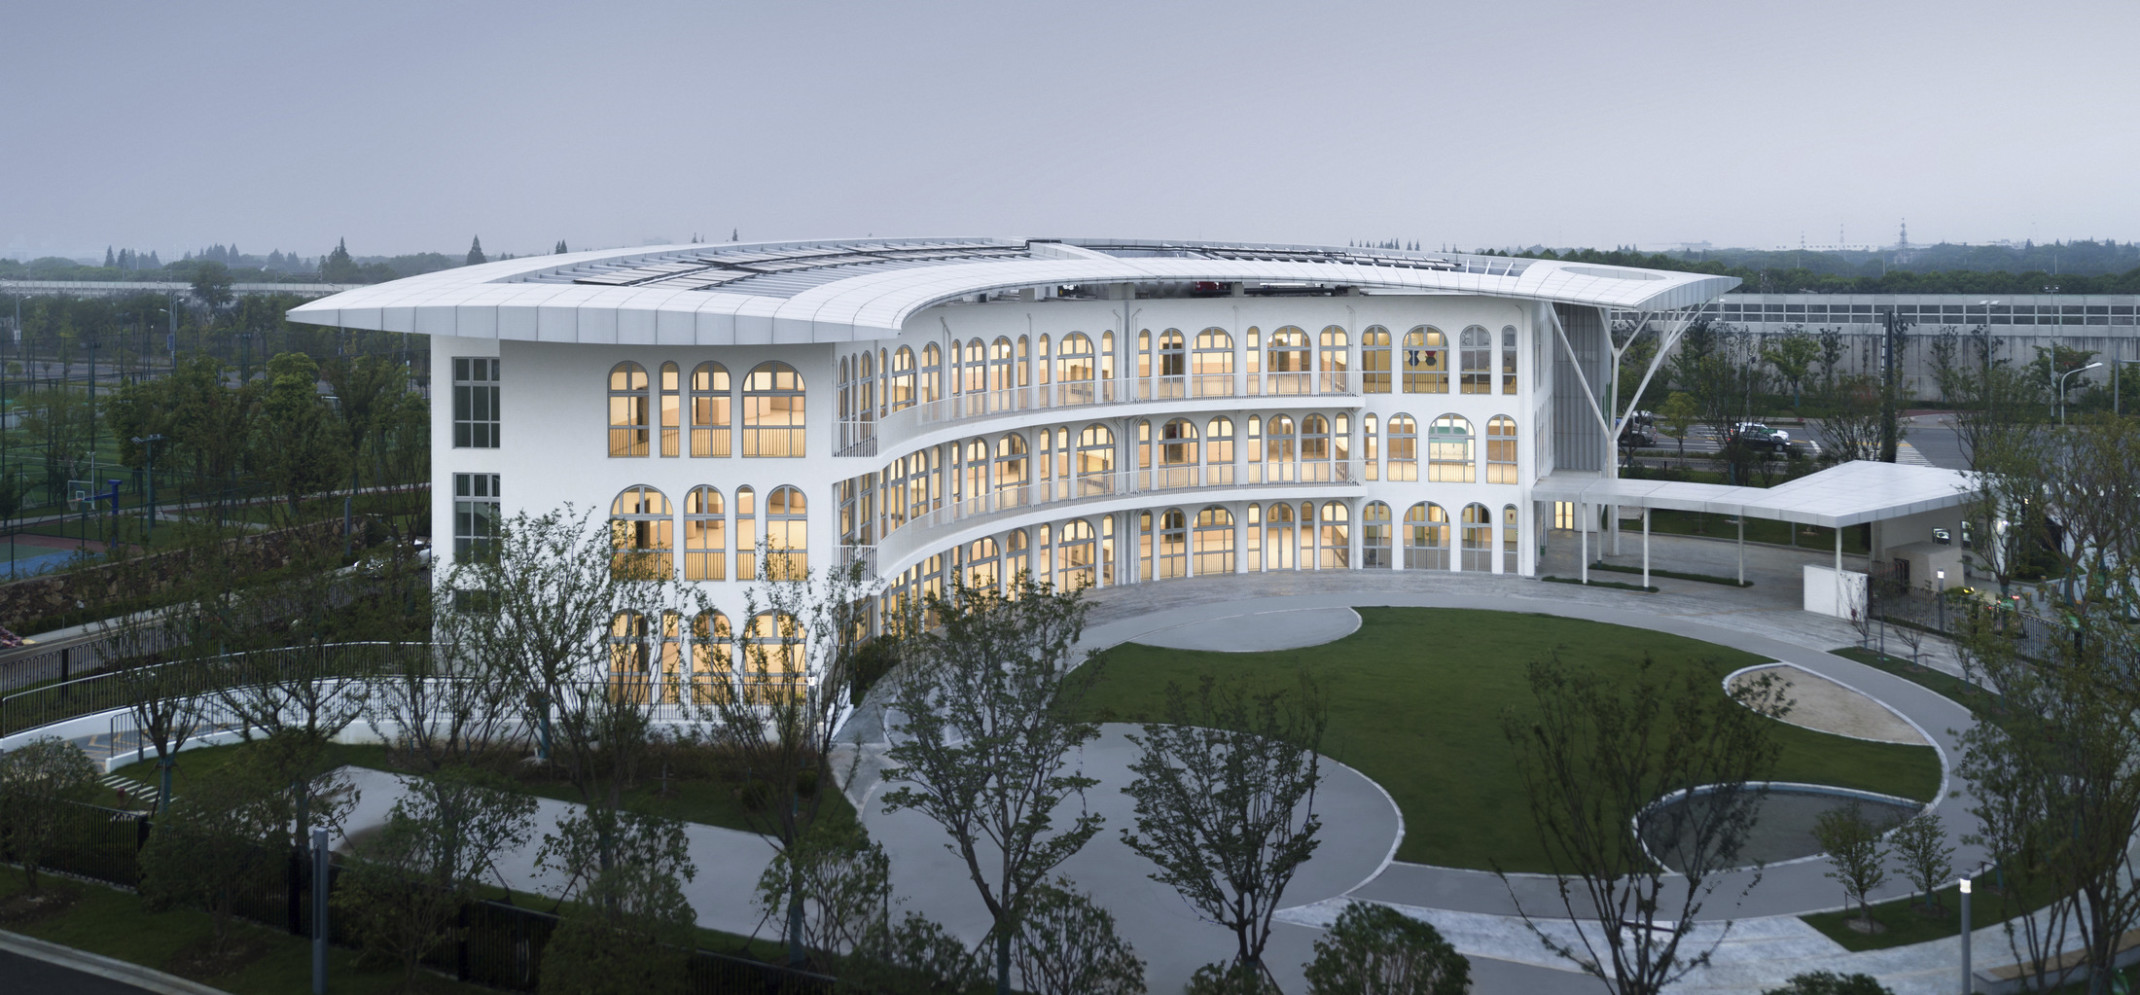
495 944
117 688
1895 602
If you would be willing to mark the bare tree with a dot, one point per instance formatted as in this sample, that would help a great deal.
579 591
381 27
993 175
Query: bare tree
1850 427
1596 757
983 736
1225 792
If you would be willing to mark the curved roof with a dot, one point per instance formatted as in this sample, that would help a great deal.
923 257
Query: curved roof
843 290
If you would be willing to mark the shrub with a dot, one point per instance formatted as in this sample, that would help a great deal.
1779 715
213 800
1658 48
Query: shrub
1377 950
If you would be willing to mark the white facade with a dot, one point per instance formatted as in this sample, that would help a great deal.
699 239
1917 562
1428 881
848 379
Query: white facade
976 407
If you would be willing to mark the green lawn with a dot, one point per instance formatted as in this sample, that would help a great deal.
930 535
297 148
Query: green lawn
692 794
1908 922
1416 699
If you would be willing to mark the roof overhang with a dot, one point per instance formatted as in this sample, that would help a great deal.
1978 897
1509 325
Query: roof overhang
1849 494
520 299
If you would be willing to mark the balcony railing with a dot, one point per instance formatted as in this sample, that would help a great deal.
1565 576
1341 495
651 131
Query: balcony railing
858 436
918 530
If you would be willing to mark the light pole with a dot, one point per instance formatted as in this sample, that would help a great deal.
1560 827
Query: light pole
148 528
1967 981
2061 385
1941 596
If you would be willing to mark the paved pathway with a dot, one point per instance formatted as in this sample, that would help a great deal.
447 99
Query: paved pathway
1768 942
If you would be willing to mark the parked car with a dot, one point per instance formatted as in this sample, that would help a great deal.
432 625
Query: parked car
1634 436
1760 436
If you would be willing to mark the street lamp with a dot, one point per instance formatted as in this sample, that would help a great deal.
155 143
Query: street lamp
2061 386
1967 985
148 528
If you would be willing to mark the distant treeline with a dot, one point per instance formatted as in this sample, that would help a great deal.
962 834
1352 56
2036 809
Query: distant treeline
2066 268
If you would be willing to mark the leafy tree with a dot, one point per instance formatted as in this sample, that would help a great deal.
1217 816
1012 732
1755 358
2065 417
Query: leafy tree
36 781
1230 979
1831 983
1679 414
294 444
211 284
1225 794
1920 843
913 956
986 699
1831 352
367 389
797 680
1792 356
1594 757
1851 428
1067 945
405 890
475 252
338 267
631 931
844 880
1857 853
560 250
2057 785
215 844
1376 950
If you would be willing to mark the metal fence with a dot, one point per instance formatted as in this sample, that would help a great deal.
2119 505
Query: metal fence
1894 602
112 689
494 944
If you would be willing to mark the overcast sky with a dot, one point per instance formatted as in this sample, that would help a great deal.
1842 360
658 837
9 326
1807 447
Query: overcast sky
411 127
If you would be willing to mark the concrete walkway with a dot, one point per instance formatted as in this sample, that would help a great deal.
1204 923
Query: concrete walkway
1475 909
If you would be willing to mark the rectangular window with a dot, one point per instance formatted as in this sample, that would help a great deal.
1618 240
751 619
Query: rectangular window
475 402
475 514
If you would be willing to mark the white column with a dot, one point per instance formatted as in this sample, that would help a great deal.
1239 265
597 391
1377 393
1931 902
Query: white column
1742 546
1582 528
1646 547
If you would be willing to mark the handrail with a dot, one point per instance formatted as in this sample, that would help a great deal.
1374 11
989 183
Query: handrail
858 435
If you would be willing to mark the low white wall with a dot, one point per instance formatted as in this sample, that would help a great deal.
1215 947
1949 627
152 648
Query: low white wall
1832 592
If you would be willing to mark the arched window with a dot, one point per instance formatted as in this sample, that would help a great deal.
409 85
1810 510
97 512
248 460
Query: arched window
1107 365
1252 360
1426 537
1314 448
1017 554
1177 454
628 410
705 535
1002 366
1478 538
773 658
1332 359
629 676
901 392
1404 448
773 411
670 672
1449 451
787 535
1252 451
641 526
1173 360
975 371
1095 460
1173 545
971 479
1144 355
1214 541
1333 537
1375 536
866 387
1289 360
1278 537
1076 557
672 413
1477 346
713 657
932 372
746 533
1218 452
1252 547
1375 360
1501 450
1025 360
1074 369
1011 471
884 383
1509 539
1508 359
710 402
1280 451
1426 370
1212 363
983 563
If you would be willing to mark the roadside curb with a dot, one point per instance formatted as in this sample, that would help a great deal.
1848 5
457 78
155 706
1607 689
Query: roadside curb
102 966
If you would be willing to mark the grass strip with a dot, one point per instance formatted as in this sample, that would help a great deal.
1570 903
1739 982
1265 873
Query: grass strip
1674 574
1416 698
1908 921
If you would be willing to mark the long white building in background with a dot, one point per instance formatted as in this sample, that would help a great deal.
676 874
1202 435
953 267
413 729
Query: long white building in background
1099 412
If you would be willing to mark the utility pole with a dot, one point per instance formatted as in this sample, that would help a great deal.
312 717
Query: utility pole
1887 390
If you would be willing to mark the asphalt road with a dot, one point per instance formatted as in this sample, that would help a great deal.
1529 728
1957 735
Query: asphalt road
27 974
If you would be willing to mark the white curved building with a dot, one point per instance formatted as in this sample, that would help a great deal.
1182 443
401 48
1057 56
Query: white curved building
1097 411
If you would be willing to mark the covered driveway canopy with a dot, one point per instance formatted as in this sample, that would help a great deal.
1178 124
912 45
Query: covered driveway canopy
1854 493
